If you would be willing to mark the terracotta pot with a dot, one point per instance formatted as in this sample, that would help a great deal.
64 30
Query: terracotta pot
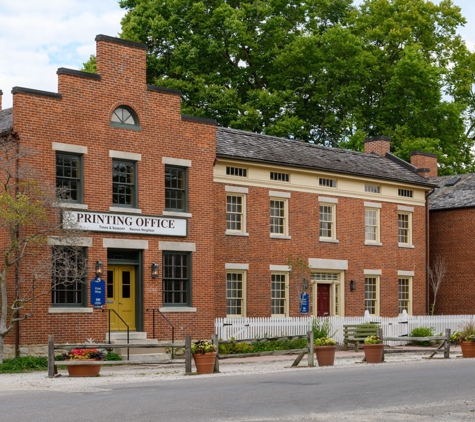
468 349
325 355
204 362
84 370
373 352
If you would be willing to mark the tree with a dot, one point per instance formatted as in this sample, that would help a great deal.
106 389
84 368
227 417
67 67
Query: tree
437 273
29 215
322 71
299 273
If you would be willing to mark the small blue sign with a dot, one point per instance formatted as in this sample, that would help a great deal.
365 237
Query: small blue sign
304 300
98 292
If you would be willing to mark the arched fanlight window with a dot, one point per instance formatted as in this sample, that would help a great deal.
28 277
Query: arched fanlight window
124 116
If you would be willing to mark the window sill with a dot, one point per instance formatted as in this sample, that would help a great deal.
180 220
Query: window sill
167 309
127 210
405 245
373 243
177 214
280 236
73 205
70 310
231 233
326 240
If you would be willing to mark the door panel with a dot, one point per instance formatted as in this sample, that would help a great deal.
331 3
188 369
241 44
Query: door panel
323 299
121 296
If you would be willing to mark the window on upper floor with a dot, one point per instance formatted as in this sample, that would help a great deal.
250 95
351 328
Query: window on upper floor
124 183
372 226
176 279
279 216
279 177
69 184
236 171
327 221
236 293
235 213
404 221
329 183
69 272
124 117
372 188
405 192
176 188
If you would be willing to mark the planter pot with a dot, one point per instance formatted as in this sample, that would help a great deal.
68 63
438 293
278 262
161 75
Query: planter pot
325 355
204 362
84 370
373 352
468 349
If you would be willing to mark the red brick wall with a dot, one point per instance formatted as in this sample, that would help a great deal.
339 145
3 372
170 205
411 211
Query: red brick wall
82 117
452 236
259 251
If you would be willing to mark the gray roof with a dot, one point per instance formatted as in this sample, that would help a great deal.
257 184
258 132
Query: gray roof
6 120
247 146
449 195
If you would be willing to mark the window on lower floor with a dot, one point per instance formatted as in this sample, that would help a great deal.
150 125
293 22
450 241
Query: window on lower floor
176 279
235 293
279 294
69 274
371 294
405 295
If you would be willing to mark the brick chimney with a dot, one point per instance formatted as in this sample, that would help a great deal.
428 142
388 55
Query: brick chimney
425 162
378 144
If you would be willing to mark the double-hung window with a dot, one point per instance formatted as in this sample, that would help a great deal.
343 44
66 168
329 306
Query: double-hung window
372 224
327 219
236 293
176 198
404 294
236 210
69 271
279 294
279 214
124 183
69 185
371 293
176 279
404 225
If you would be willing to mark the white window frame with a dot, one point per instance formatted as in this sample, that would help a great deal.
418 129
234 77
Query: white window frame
373 275
406 211
234 191
284 291
331 204
407 276
282 197
237 269
376 224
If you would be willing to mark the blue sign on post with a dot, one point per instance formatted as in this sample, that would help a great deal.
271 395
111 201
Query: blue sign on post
98 292
304 299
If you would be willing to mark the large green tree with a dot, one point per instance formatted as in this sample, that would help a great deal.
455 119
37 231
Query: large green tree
324 71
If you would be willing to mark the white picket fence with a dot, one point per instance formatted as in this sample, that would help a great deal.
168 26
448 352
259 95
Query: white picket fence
250 328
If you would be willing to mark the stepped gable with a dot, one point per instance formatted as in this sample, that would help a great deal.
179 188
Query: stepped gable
241 145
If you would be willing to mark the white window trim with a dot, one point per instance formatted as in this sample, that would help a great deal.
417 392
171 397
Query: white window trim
285 200
84 242
286 292
241 192
124 243
177 246
411 280
409 243
70 310
176 162
122 155
333 238
244 290
375 274
76 149
377 241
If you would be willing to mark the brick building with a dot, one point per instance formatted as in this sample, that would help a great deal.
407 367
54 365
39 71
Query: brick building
193 221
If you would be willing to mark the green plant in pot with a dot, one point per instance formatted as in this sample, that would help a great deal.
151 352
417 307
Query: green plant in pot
466 338
325 349
204 354
373 349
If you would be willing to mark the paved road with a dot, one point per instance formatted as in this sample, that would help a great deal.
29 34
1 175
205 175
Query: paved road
408 391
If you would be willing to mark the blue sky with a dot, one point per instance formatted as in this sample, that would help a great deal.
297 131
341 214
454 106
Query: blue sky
38 37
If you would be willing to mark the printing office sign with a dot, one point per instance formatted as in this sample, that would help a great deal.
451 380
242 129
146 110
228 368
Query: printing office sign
124 223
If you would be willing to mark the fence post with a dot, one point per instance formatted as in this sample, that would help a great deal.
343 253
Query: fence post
447 344
51 367
311 354
187 355
379 333
215 340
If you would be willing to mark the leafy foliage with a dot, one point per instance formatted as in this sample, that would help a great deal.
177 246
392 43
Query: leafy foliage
373 340
324 341
23 364
322 328
422 332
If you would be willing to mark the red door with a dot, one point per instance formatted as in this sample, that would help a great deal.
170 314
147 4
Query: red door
323 300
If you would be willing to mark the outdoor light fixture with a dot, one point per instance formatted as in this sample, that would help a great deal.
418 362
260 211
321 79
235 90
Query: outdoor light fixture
352 285
99 268
154 270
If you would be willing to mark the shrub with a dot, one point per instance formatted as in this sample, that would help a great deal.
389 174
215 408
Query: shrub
324 341
23 364
112 356
467 331
321 328
373 340
235 348
422 332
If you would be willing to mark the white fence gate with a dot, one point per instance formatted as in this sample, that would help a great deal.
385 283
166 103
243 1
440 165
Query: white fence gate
250 328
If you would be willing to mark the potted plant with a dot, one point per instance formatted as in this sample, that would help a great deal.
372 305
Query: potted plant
466 338
373 349
204 354
83 355
325 348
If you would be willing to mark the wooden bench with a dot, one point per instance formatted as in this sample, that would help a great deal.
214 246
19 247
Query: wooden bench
356 333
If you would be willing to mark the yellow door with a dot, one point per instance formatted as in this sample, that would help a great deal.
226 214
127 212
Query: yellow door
121 296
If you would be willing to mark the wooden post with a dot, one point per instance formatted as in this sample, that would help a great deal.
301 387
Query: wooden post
380 335
51 367
215 340
311 354
188 355
447 344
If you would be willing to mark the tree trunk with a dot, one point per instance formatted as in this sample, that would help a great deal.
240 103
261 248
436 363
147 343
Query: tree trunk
2 342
